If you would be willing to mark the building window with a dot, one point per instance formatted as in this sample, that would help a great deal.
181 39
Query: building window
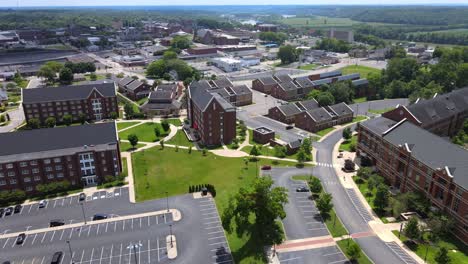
47 161
68 158
9 166
456 204
57 160
35 170
60 175
2 182
23 164
50 176
2 175
33 163
27 179
13 181
87 164
11 173
58 167
48 168
70 166
25 172
29 188
37 178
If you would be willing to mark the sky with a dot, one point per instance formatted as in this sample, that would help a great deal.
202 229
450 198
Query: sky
7 3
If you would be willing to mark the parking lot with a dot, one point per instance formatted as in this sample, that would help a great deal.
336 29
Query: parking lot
215 237
324 255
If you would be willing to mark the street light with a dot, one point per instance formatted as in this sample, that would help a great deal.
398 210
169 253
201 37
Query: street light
170 232
71 252
82 209
134 247
167 201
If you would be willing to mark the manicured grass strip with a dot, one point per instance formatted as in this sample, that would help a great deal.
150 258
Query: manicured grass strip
381 111
457 251
325 131
308 67
124 167
266 151
175 121
358 119
144 132
346 145
362 70
157 171
360 100
123 125
125 146
343 244
334 225
180 139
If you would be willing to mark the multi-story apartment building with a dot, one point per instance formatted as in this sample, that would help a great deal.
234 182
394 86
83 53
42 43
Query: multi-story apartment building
211 115
414 159
94 101
442 115
82 155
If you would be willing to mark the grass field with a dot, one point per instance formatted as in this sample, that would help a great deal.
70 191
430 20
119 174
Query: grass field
362 70
144 132
457 251
359 100
125 146
175 121
157 171
381 111
346 145
266 151
308 67
123 125
318 21
325 131
343 244
335 226
180 139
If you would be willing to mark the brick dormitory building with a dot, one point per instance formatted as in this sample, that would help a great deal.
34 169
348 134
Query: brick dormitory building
82 155
95 101
404 145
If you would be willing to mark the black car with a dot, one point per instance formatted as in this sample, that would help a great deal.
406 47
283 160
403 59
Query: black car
18 208
9 210
56 222
302 189
57 257
99 217
82 197
289 127
1 212
20 238
6 262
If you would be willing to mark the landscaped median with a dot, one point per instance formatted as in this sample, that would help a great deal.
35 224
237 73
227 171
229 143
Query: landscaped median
158 170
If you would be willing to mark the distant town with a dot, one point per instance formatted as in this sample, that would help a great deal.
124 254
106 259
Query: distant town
233 135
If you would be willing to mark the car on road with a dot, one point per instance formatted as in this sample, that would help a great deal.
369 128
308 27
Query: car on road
9 210
302 189
42 203
82 197
20 238
17 208
289 127
99 217
57 257
56 222
266 167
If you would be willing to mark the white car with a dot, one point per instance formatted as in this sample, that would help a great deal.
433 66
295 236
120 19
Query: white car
42 203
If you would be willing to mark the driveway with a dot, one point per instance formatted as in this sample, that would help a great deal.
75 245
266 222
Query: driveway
16 117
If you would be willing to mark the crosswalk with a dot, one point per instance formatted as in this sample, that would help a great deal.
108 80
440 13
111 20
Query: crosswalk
325 164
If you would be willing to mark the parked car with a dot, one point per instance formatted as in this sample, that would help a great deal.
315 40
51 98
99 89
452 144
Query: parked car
289 127
302 189
82 197
266 167
18 208
6 262
20 238
2 210
42 203
9 210
99 217
56 222
57 258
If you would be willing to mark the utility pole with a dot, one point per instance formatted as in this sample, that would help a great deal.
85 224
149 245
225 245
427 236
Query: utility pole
71 252
82 209
167 201
170 231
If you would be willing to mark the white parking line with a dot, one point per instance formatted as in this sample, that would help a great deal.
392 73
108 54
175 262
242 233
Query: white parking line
89 229
72 256
34 239
112 248
338 261
82 255
215 237
115 226
71 233
281 260
42 261
211 227
107 224
157 245
210 213
309 211
215 232
212 222
30 207
217 243
42 240
100 258
55 202
222 255
92 253
207 209
331 254
97 231
63 202
71 199
318 228
210 204
120 255
149 252
132 224
210 217
52 238
157 221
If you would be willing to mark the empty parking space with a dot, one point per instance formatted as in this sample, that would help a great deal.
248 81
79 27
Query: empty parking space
215 238
325 255
401 253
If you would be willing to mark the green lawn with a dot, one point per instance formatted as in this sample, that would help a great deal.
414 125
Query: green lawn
358 118
124 167
343 244
125 146
457 251
266 151
346 145
308 67
175 121
144 132
318 21
180 139
363 70
334 225
369 195
123 125
360 100
124 99
142 101
157 171
325 131
301 177
381 111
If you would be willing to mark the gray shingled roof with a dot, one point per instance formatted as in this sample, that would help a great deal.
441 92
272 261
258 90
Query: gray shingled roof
352 76
288 86
167 87
308 104
304 82
267 80
47 139
283 77
360 82
378 125
241 89
155 106
200 96
341 109
330 74
125 81
319 115
64 93
134 85
160 95
440 107
289 109
322 81
432 150
223 82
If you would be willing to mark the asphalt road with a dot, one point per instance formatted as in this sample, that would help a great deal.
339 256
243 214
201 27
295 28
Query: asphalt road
199 234
16 117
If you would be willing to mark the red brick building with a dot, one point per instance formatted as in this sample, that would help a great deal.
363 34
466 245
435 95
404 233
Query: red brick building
95 101
413 159
133 89
210 115
316 119
82 155
442 115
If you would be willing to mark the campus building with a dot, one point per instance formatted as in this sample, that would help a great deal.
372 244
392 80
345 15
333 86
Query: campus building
211 116
133 89
82 155
414 159
94 101
164 100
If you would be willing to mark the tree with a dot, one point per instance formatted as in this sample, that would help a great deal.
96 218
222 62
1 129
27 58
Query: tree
440 226
353 251
442 257
412 230
157 132
364 172
313 94
50 121
169 55
301 156
165 125
254 151
325 98
161 143
180 42
263 201
34 123
324 204
67 120
47 73
128 109
66 76
156 69
315 185
347 134
54 66
114 115
381 197
287 54
82 118
342 92
93 76
133 139
2 118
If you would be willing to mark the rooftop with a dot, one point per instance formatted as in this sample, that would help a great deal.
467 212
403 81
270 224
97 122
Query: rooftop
64 93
